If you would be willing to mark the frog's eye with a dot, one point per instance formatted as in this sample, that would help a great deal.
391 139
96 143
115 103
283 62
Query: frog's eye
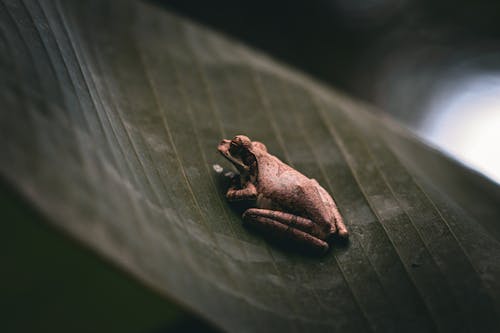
239 142
234 148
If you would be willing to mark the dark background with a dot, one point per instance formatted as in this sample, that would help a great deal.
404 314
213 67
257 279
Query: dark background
366 48
432 65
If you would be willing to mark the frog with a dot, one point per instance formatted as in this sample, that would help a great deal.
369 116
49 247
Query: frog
284 203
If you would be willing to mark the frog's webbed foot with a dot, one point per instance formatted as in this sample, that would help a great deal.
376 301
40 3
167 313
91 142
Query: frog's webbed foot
286 227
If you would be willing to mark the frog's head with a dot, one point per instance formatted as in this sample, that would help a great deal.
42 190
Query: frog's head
238 149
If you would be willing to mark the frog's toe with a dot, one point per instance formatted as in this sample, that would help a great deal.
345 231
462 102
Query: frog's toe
342 230
343 233
339 231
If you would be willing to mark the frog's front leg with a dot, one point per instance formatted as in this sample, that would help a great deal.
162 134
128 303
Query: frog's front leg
286 226
235 193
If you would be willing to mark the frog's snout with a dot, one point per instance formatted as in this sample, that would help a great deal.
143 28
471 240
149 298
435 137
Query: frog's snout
224 148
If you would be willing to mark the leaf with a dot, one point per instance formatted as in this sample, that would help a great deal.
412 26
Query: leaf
50 283
111 112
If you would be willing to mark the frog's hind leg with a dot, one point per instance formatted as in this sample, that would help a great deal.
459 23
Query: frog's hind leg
286 227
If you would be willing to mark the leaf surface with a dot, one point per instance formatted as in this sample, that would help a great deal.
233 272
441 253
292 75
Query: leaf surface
111 113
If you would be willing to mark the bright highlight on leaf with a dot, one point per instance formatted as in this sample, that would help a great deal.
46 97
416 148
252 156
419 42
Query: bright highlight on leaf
110 115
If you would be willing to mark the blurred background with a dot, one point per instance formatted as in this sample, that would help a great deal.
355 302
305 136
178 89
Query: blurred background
432 65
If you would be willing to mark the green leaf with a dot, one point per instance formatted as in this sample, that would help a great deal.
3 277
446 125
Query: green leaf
111 113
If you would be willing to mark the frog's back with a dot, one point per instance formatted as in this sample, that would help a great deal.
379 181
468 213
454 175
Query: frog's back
281 187
279 181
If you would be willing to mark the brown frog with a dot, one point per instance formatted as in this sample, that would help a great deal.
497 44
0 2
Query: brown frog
288 205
